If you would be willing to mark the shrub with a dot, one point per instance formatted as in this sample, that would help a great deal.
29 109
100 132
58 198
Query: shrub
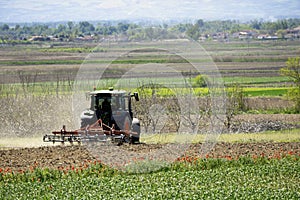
200 81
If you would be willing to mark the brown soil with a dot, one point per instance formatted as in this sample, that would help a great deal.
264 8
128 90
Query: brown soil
67 156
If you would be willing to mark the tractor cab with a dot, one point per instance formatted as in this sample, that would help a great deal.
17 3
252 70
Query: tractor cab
109 118
113 107
108 104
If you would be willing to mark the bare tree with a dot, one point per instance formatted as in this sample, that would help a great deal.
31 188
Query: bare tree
234 103
28 80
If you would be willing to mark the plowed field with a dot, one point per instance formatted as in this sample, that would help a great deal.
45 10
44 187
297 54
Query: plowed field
66 156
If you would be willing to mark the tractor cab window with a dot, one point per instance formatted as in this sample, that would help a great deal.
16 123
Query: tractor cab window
103 103
126 104
106 104
100 102
109 102
121 102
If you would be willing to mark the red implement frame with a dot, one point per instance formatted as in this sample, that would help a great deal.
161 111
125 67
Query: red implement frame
95 132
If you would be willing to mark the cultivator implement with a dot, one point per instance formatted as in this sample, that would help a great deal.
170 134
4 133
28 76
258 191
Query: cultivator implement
97 132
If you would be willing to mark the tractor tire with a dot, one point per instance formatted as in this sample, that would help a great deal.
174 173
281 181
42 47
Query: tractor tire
135 128
134 140
85 122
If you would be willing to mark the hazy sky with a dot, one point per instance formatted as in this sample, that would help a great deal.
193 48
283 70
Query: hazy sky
79 10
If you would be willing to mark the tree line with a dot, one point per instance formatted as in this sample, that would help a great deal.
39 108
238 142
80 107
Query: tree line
133 31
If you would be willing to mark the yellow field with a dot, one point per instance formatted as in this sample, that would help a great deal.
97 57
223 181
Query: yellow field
278 136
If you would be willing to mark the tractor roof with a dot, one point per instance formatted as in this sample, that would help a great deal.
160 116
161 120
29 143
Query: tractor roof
95 92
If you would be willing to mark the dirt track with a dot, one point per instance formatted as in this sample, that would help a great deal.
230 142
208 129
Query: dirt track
67 156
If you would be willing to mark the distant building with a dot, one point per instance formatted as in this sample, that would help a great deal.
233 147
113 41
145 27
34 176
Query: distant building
267 37
293 33
86 38
249 34
261 37
39 38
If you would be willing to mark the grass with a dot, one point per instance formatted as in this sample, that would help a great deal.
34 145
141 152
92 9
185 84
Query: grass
39 62
267 91
247 91
268 136
200 91
74 49
255 80
250 59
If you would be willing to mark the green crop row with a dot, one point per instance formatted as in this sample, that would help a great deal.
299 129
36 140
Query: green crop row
255 80
66 87
258 92
74 49
51 62
250 59
39 62
242 178
249 92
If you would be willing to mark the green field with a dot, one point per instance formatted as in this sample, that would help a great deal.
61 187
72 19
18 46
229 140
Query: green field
65 87
254 80
244 178
267 91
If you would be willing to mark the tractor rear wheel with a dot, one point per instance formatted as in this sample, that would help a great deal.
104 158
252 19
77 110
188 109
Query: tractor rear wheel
135 128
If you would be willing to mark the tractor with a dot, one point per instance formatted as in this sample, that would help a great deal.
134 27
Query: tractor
109 117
